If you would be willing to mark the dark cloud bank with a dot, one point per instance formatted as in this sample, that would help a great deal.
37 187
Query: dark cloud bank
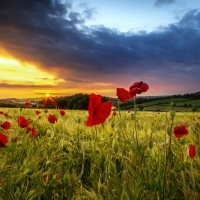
50 34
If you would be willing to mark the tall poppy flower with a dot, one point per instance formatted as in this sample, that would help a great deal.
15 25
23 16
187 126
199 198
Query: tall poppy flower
138 87
62 112
22 122
123 94
98 112
3 140
180 131
5 125
27 104
52 119
192 151
37 112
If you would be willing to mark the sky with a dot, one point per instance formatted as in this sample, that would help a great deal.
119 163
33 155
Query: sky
64 47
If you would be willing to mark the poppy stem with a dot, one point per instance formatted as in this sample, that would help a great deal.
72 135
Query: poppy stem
135 112
168 155
119 108
95 137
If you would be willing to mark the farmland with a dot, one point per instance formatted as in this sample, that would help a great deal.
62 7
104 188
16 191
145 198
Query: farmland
123 158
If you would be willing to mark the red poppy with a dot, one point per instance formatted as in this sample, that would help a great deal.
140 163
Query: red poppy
114 113
98 112
33 132
28 129
52 119
1 112
194 119
3 140
180 131
138 87
5 125
37 112
6 114
192 151
27 104
22 122
62 112
123 94
129 111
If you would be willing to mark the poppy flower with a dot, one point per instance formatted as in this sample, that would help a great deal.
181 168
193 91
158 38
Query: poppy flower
3 140
98 112
192 151
22 122
129 111
6 114
27 104
138 87
114 113
33 132
52 119
37 112
1 112
5 125
123 94
62 112
28 129
180 131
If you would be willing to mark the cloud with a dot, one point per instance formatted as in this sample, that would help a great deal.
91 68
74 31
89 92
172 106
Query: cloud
51 35
11 86
161 2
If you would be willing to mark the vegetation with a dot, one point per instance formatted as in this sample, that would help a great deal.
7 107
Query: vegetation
68 160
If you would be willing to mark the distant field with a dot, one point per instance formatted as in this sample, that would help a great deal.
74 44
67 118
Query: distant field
192 102
165 101
165 108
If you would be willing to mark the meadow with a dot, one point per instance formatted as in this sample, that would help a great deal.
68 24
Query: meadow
129 156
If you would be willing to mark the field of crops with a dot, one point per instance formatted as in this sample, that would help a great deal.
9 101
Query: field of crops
126 157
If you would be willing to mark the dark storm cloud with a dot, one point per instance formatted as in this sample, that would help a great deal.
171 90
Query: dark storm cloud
52 35
160 2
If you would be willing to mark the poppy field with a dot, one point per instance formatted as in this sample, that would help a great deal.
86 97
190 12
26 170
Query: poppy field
102 153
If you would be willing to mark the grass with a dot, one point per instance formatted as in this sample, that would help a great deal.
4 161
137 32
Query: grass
62 162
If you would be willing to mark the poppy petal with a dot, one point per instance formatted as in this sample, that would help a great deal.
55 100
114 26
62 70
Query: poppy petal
192 151
102 113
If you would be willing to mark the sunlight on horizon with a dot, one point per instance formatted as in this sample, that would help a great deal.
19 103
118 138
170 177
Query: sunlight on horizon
13 72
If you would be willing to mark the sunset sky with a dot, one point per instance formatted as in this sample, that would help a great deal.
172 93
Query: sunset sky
84 46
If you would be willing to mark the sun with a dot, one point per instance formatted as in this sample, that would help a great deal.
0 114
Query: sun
47 95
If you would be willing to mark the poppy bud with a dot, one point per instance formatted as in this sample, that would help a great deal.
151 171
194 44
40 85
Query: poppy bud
150 144
48 133
172 113
112 167
115 146
169 130
112 124
79 120
66 178
132 116
45 110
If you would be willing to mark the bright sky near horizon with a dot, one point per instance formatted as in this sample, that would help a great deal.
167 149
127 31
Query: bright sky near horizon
84 46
